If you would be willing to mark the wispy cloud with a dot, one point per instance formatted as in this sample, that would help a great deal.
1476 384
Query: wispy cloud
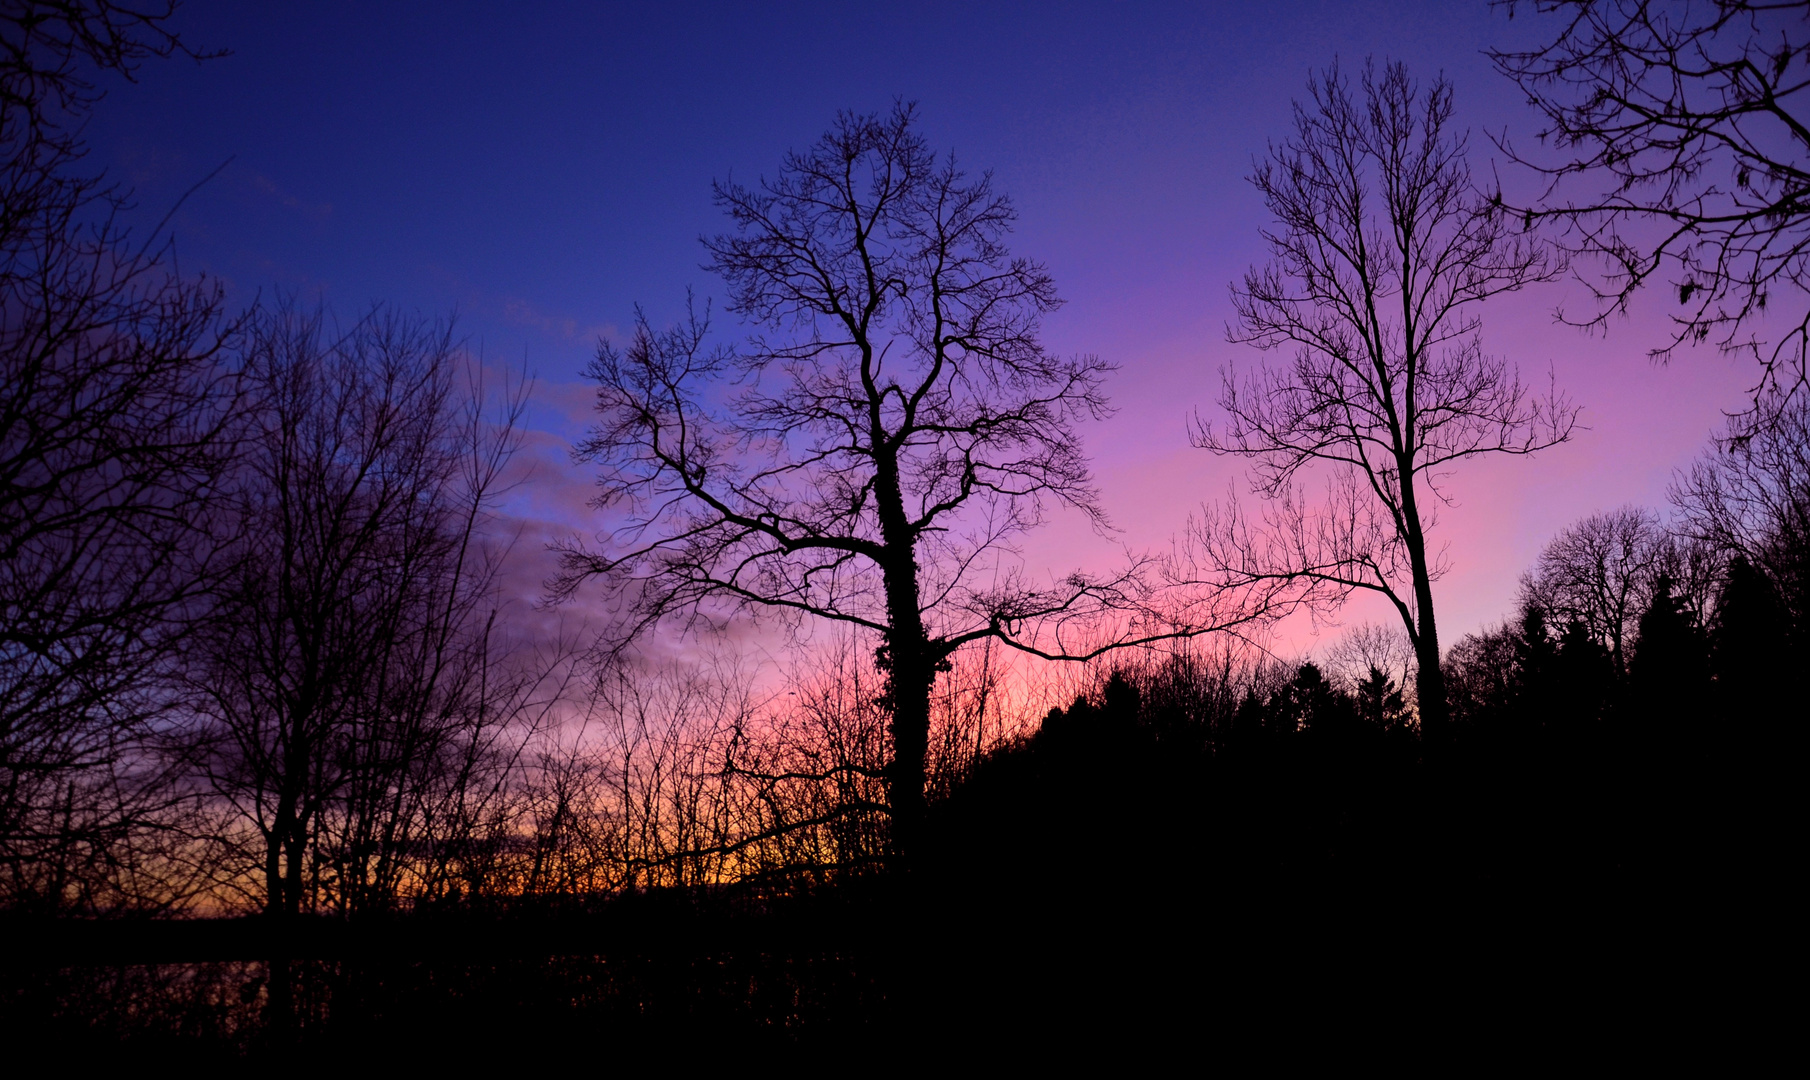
314 211
518 312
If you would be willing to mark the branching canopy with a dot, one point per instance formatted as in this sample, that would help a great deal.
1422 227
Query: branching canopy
894 413
1381 250
1683 151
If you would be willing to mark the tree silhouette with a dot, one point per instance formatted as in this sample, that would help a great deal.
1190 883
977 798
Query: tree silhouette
1599 574
1759 680
1682 151
347 674
1584 679
1751 635
897 423
1755 666
1750 498
1309 704
1379 702
1381 252
116 424
1669 675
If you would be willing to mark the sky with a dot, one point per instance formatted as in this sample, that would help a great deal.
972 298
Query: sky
539 169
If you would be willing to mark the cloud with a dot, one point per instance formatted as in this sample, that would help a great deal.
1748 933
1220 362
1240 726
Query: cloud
519 312
311 210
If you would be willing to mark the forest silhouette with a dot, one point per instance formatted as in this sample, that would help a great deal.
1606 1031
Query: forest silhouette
279 774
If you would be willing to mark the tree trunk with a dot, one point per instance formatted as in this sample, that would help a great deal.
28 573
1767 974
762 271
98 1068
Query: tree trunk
279 1007
1429 686
912 674
911 665
283 892
1429 680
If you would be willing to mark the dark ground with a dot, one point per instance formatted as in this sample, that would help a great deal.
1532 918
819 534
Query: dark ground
1103 889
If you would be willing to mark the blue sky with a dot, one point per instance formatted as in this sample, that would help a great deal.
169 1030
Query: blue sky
542 168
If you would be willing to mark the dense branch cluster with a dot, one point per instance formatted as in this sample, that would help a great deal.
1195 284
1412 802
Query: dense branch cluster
116 426
902 408
1681 141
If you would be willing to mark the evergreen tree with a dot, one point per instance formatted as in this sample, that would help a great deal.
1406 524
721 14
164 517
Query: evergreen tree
1248 724
1751 658
1379 702
1535 695
1669 676
1583 680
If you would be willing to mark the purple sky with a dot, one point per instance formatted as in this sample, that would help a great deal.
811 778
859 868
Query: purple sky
542 168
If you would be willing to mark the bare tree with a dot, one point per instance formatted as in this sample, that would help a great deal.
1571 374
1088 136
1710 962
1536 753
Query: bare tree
871 450
347 694
1381 252
1600 574
1369 648
115 426
1682 150
1750 497
668 738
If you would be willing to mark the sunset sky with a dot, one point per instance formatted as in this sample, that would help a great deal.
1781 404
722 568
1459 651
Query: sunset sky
542 168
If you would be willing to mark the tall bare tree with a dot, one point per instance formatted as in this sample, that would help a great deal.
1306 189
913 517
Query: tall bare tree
1381 252
891 424
346 688
115 426
1678 145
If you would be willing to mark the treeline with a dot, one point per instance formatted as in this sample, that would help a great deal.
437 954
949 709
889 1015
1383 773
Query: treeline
1653 662
1197 842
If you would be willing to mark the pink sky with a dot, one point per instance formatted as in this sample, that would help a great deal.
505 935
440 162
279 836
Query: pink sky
543 169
